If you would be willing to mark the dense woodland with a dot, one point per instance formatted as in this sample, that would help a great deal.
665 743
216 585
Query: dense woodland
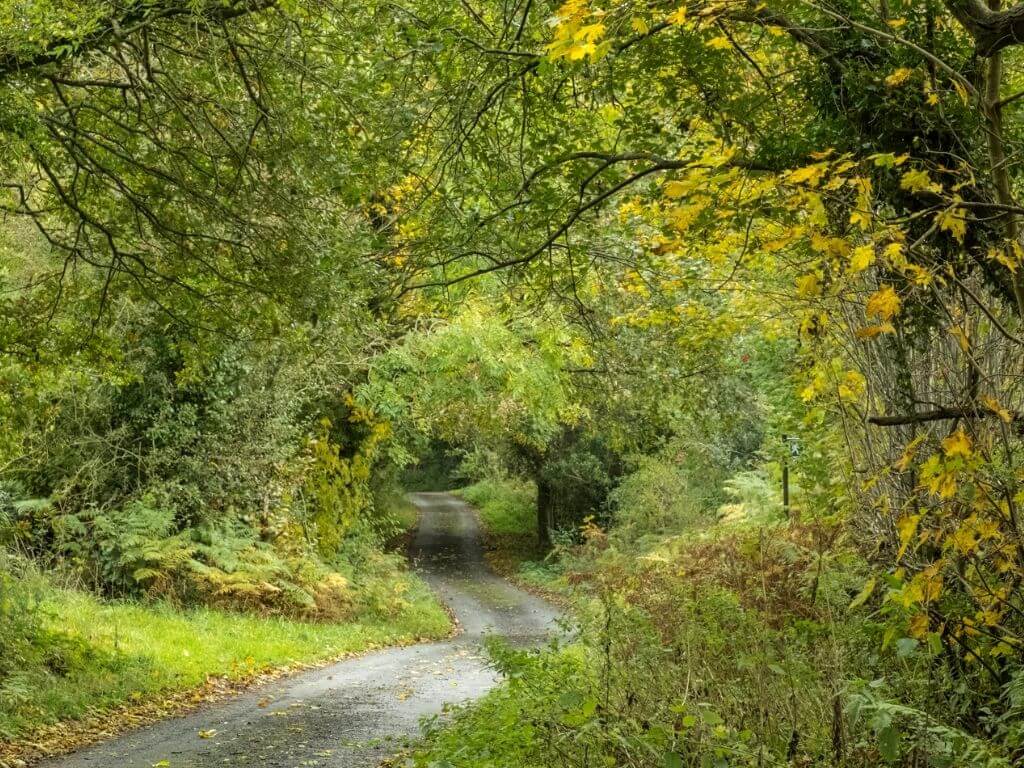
264 264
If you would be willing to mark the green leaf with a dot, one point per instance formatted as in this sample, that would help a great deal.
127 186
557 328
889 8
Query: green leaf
864 594
906 646
889 743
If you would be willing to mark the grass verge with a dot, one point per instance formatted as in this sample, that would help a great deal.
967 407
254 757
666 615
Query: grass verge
148 661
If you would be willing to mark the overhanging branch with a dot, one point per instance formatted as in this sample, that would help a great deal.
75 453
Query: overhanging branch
992 30
134 17
936 414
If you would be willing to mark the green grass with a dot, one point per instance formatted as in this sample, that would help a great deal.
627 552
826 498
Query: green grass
98 655
507 507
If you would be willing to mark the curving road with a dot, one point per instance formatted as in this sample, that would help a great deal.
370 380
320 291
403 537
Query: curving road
359 711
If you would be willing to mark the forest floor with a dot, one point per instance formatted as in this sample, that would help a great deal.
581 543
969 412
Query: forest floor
356 712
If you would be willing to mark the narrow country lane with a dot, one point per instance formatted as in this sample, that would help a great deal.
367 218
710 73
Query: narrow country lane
355 712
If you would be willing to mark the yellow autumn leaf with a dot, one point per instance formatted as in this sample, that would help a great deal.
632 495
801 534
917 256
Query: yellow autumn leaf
577 52
860 218
590 33
888 159
862 211
964 540
813 323
961 92
918 625
957 444
862 258
639 25
681 217
810 174
871 331
958 333
864 594
993 405
931 582
898 77
893 254
1011 260
907 527
719 43
918 180
833 246
676 189
903 463
808 285
678 16
852 387
919 275
954 221
883 303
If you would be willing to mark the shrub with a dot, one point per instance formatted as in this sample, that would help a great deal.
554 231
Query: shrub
754 497
655 498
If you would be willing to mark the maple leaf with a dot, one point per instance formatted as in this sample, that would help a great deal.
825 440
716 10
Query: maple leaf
810 174
1010 259
676 189
993 405
883 303
957 444
919 181
953 220
678 16
907 527
808 285
919 625
862 258
871 331
893 253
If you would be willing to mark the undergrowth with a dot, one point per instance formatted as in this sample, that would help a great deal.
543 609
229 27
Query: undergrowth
507 507
750 641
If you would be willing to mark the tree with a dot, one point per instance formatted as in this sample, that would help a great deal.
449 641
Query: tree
476 381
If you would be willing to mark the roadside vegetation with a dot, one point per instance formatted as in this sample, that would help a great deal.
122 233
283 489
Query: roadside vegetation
80 656
722 636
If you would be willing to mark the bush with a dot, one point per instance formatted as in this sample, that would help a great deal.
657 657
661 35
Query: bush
697 659
754 497
655 498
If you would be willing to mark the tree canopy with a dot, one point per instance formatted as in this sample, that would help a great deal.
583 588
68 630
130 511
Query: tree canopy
297 240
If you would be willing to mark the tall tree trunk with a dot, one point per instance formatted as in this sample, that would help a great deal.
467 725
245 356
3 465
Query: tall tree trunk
544 501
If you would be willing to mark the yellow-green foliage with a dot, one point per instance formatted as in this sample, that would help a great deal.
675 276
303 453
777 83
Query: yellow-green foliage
339 478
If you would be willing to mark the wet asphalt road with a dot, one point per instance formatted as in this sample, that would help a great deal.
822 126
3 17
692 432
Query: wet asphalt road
359 711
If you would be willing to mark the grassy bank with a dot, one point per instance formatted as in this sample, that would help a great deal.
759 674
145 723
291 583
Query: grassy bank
92 656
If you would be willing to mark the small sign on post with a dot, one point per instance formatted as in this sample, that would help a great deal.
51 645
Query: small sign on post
794 450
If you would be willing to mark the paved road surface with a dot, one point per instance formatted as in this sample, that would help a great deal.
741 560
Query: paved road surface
356 712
